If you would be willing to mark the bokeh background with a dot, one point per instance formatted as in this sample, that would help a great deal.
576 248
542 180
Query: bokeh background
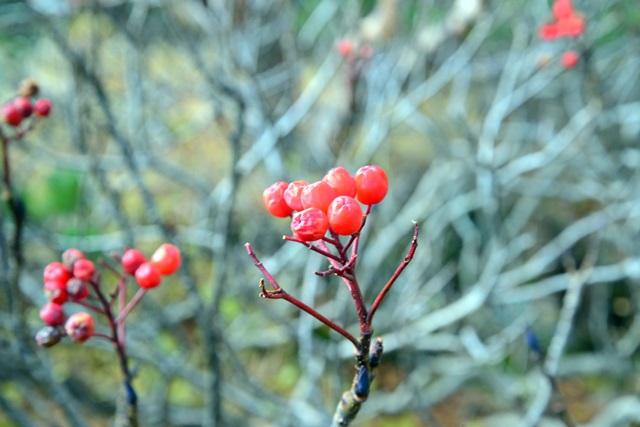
171 117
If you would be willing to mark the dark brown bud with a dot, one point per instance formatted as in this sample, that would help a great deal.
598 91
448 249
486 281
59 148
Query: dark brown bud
49 336
28 88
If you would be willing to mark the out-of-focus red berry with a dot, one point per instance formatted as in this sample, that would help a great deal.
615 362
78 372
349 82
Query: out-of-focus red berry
344 48
549 31
273 198
341 181
345 215
80 327
70 256
372 184
318 195
84 269
570 59
23 104
11 114
572 26
309 224
42 107
167 259
56 272
52 314
56 291
366 51
562 9
131 260
148 276
293 193
77 289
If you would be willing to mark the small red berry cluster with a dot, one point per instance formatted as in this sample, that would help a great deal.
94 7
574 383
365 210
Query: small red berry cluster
24 106
331 204
567 23
73 279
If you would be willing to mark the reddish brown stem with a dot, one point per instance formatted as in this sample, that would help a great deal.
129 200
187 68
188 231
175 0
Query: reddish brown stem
324 252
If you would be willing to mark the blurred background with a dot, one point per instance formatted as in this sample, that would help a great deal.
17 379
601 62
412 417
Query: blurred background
169 119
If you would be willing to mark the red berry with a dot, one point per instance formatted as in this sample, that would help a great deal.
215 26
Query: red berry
70 256
52 314
317 195
345 215
42 107
166 258
56 291
131 260
11 114
572 26
549 31
562 9
372 184
56 272
80 327
293 193
344 48
341 181
84 269
77 289
570 59
148 276
309 225
273 198
23 104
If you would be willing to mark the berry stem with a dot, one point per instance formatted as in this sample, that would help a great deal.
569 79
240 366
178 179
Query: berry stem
90 306
130 306
387 287
324 252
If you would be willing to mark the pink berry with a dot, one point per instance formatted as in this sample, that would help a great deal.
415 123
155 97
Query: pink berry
344 48
372 184
148 276
11 114
52 314
84 269
80 327
309 225
131 260
345 215
570 59
562 9
56 291
318 195
273 198
42 107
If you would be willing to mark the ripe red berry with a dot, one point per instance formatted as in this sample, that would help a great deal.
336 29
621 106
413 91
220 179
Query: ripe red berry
77 289
372 184
56 272
23 104
148 276
309 225
70 256
562 9
167 259
572 26
273 198
549 31
293 193
52 314
42 107
131 260
341 181
344 48
317 195
11 114
84 269
345 215
80 327
570 59
56 291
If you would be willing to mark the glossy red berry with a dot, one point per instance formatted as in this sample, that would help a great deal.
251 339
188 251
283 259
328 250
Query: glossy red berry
56 291
42 107
372 184
11 114
70 256
52 314
80 327
309 224
343 183
317 195
77 289
345 215
84 269
167 259
56 272
570 59
273 198
148 276
293 193
23 104
131 260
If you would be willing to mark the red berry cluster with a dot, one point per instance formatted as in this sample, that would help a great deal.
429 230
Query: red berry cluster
567 23
71 279
22 107
331 204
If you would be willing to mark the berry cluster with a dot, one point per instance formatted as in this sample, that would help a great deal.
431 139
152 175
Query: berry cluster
567 23
75 277
331 204
20 108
